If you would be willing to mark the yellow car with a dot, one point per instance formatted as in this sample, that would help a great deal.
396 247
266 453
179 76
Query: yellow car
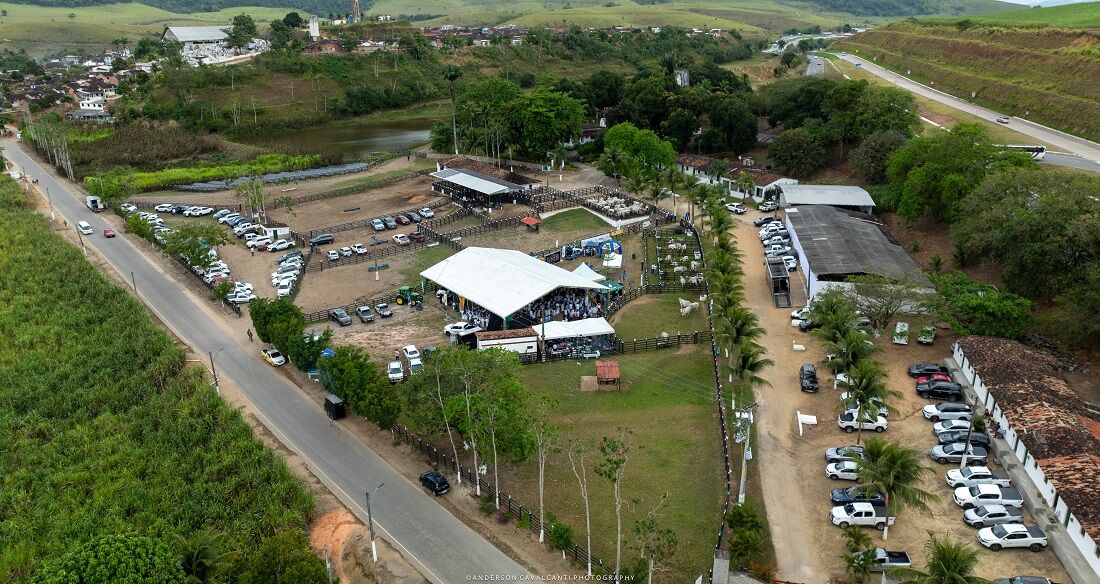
274 357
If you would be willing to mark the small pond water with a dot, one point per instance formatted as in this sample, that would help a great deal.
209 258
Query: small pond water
355 140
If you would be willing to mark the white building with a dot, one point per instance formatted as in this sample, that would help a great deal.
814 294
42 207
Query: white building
847 197
196 36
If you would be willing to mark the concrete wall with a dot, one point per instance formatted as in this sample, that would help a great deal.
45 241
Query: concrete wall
1088 549
807 275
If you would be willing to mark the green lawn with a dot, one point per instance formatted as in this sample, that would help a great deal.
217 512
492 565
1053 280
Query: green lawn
653 314
574 220
420 164
667 404
41 30
425 258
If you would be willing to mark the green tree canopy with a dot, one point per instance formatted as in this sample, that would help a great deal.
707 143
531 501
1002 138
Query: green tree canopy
797 153
284 557
643 147
869 160
732 117
352 375
932 174
242 32
193 242
545 118
973 308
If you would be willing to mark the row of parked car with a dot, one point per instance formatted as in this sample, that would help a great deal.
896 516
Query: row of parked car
185 210
213 273
777 241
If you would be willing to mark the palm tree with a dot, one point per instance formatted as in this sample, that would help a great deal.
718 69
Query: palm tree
977 423
656 191
896 472
746 367
848 350
739 327
613 162
745 184
949 562
719 169
865 385
858 561
201 556
636 183
451 74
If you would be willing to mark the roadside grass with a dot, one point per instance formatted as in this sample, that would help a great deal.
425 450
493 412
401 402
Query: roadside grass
1046 75
653 314
668 404
425 258
940 113
433 110
42 30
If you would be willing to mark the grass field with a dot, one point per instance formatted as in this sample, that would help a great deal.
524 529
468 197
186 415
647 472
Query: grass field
574 220
1085 15
44 30
1047 75
668 406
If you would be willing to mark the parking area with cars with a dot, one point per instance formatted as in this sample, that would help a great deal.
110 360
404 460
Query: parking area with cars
794 462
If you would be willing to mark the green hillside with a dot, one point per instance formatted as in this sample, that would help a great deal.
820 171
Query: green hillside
44 30
1085 15
1045 74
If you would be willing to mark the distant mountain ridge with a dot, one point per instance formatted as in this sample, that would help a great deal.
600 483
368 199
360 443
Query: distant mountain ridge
322 7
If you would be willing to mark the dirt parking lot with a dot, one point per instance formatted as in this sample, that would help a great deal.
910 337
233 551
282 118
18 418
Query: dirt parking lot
316 215
423 328
808 546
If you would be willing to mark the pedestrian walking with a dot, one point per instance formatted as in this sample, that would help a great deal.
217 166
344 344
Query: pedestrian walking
250 335
396 355
253 250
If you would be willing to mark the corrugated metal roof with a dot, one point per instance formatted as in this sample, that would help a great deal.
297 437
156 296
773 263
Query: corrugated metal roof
838 244
185 34
839 195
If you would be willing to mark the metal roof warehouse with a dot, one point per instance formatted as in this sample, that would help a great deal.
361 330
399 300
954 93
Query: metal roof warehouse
833 245
848 197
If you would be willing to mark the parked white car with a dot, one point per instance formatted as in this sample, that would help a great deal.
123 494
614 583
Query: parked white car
332 255
950 426
227 218
358 249
1013 535
345 251
410 352
164 207
847 422
284 289
426 212
737 208
845 469
280 245
460 328
127 208
265 240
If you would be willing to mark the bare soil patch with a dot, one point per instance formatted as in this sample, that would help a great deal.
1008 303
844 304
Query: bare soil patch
316 215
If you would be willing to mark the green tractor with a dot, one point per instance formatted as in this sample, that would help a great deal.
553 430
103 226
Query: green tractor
406 295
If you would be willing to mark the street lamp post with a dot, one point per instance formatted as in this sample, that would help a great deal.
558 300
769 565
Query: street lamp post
370 525
744 432
53 217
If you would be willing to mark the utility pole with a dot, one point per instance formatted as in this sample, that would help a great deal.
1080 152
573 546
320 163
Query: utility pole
49 200
370 525
214 370
133 281
744 432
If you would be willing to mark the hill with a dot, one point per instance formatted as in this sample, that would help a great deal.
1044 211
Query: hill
188 6
47 30
1085 15
1044 74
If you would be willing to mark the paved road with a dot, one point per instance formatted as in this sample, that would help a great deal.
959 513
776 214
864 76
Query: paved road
443 548
816 66
1067 142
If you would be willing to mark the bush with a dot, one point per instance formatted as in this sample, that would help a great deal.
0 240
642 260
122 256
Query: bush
560 536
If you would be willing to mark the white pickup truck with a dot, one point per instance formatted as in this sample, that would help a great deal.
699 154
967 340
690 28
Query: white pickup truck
977 495
1013 535
865 514
977 475
883 560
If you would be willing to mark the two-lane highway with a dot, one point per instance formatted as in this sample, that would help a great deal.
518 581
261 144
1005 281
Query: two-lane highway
1089 152
439 545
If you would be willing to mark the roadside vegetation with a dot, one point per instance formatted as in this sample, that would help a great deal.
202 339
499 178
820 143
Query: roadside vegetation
1043 74
113 449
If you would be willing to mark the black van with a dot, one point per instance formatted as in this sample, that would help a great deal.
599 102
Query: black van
324 238
334 406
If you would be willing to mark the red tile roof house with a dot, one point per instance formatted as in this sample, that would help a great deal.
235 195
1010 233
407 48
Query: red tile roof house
1054 436
699 168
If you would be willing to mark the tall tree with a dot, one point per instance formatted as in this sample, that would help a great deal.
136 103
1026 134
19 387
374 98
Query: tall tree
615 451
204 557
653 541
797 153
452 74
896 472
865 385
738 125
251 192
546 436
746 185
242 32
193 242
577 452
546 118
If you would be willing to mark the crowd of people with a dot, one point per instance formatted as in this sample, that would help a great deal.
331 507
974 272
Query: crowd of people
563 306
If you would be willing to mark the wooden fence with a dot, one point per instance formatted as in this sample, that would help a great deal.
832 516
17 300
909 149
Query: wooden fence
370 256
364 223
487 227
508 504
322 315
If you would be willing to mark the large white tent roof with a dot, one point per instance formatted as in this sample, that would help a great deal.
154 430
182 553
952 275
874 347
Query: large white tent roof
485 185
186 34
569 329
585 271
502 280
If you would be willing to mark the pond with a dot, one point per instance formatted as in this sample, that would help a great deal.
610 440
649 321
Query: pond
356 140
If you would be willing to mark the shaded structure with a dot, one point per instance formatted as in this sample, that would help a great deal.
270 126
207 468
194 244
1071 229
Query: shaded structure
842 196
608 373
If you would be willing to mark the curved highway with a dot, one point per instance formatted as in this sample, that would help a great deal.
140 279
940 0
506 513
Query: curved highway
1087 152
433 540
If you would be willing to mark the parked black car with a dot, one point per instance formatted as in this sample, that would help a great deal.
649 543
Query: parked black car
947 390
807 378
976 438
340 316
435 482
845 495
761 221
807 325
323 239
922 369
